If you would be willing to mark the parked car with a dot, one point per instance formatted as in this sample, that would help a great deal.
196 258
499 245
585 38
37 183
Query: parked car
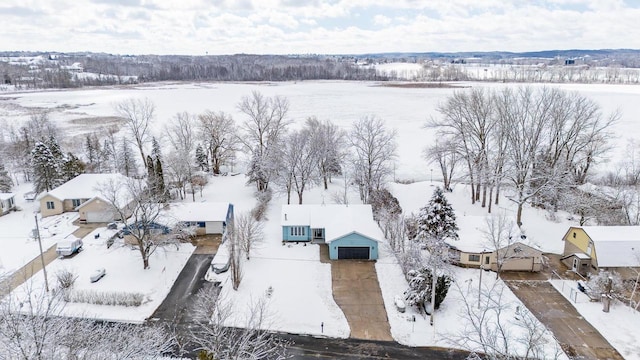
67 247
399 302
112 226
220 262
97 274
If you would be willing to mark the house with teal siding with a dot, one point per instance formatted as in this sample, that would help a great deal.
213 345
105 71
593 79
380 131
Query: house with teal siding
349 230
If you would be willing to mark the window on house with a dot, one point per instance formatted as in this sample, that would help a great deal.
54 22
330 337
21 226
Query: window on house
297 231
486 260
201 224
75 202
474 258
574 235
50 205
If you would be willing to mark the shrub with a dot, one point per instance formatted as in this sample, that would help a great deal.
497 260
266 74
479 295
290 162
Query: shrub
113 298
66 278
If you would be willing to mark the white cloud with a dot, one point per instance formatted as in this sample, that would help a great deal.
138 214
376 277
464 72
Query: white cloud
274 26
381 20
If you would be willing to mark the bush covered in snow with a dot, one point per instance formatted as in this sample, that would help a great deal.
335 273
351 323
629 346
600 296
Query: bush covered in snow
113 298
66 278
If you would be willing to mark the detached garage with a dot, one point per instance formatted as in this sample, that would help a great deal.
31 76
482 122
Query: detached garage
98 210
349 231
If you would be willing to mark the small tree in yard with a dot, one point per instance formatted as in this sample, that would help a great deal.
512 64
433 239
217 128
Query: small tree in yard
436 224
420 288
5 180
134 199
499 234
248 231
216 339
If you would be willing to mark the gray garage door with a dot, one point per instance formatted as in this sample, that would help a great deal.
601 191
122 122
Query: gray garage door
99 216
353 253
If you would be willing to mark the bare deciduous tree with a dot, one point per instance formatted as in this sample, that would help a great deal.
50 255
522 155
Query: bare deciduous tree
329 144
249 232
213 335
374 149
445 154
263 132
219 133
138 115
132 200
499 234
181 134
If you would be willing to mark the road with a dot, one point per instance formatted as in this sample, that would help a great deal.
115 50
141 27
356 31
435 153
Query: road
175 311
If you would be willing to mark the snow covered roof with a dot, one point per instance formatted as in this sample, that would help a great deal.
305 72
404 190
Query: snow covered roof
337 220
84 186
6 196
616 246
202 211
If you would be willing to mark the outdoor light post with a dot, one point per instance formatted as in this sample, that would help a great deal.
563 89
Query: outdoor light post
431 175
44 270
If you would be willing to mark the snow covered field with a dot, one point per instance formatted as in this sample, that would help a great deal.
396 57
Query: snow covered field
301 298
405 109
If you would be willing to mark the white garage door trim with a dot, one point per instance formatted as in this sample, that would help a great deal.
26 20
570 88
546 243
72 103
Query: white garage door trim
99 216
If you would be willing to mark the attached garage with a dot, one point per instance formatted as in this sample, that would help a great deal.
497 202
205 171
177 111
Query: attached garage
99 216
353 246
356 252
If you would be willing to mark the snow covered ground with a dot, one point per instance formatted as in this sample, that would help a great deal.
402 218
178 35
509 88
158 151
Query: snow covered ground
619 326
18 244
404 109
124 273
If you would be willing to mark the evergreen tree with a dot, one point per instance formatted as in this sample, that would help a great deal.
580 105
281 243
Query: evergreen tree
151 176
55 150
89 149
127 162
46 168
72 167
161 189
420 283
156 153
437 220
201 158
5 180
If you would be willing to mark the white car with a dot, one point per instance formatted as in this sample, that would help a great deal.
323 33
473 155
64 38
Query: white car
97 275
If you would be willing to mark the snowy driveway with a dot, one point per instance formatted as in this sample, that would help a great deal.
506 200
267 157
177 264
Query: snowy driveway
577 337
357 292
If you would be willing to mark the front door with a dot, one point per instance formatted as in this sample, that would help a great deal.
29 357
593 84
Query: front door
575 264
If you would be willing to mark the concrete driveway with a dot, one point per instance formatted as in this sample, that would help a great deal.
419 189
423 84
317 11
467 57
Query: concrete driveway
357 291
577 337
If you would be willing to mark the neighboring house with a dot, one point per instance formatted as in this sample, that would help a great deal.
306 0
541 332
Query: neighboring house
592 248
72 195
516 257
7 203
348 230
206 217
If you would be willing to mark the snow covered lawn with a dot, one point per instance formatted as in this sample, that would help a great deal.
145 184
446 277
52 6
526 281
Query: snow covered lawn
619 326
302 298
124 273
18 245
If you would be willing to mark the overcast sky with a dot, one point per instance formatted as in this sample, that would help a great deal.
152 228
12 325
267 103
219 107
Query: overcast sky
199 27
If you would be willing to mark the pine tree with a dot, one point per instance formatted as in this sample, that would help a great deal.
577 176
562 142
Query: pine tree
151 176
54 147
5 180
161 189
89 149
46 168
437 220
72 167
420 283
156 153
201 158
127 162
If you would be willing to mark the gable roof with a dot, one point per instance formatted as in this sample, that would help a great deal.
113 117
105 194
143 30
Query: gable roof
336 220
202 211
616 246
520 250
83 186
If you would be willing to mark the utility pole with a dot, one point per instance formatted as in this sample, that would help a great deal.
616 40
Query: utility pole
44 270
480 283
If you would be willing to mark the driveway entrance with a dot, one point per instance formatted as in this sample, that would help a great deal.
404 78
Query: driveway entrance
357 292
